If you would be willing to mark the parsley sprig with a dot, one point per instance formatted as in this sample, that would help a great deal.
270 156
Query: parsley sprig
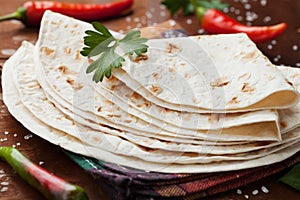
189 6
101 42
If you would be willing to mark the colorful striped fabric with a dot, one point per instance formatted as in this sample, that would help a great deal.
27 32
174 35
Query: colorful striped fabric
127 183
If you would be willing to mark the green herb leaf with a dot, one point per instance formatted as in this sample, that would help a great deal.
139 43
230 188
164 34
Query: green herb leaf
189 6
175 5
217 4
292 178
103 44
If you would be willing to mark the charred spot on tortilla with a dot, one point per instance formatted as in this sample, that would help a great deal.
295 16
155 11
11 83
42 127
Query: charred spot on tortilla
247 88
156 75
78 56
220 82
48 51
142 57
67 50
283 124
172 48
156 89
172 69
250 55
234 100
289 82
70 81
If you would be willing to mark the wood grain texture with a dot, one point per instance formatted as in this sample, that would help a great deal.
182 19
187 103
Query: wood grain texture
146 13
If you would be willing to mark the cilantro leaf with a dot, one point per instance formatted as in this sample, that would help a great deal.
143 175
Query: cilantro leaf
103 44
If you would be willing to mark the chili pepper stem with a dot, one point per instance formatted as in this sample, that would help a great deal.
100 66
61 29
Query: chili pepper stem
20 15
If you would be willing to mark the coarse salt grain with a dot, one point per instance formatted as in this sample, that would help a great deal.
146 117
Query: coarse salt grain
267 19
273 42
247 6
189 21
295 47
238 191
4 183
6 132
263 2
270 46
246 196
128 19
27 137
172 23
8 52
255 192
4 189
264 189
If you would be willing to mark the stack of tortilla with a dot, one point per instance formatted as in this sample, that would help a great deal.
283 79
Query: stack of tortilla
192 104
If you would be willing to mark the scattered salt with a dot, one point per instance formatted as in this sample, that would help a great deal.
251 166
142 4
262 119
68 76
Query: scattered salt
163 14
237 12
264 189
270 46
172 23
247 6
8 52
239 18
295 47
27 137
273 42
267 19
200 31
246 196
136 19
128 19
238 191
6 132
4 183
263 2
226 10
18 144
163 7
149 15
4 189
255 192
189 21
15 135
41 163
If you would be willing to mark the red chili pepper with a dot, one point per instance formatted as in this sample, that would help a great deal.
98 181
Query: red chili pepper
32 11
51 186
214 21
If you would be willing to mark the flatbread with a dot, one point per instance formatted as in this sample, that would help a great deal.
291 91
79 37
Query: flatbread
62 75
218 73
52 114
15 106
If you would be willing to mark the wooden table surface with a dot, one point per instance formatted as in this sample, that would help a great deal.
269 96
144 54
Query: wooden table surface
284 50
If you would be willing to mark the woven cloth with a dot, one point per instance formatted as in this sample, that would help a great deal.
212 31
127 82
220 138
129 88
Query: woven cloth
127 183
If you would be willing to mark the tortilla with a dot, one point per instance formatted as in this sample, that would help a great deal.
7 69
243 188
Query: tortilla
15 106
62 75
54 115
218 73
